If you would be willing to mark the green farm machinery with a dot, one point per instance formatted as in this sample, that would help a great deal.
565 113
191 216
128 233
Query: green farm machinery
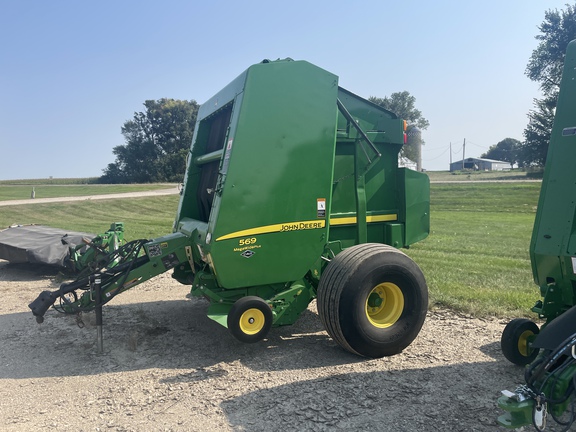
549 352
292 193
86 258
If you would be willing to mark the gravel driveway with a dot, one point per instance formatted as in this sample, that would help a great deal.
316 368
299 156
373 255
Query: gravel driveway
167 367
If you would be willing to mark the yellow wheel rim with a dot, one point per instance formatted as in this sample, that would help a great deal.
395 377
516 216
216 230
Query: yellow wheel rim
523 343
384 305
252 321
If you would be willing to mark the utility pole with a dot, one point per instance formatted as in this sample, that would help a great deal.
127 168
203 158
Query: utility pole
463 152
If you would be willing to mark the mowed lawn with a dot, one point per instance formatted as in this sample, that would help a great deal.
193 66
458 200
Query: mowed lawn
144 218
476 259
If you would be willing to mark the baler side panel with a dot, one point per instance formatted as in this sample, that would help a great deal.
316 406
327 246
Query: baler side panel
379 124
381 198
388 191
415 204
269 224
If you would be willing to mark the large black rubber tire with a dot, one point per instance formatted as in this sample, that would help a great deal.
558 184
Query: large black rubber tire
250 319
515 341
343 299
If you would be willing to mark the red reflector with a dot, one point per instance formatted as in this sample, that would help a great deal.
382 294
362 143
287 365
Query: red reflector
405 138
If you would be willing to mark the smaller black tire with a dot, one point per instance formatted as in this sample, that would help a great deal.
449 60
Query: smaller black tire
516 339
250 319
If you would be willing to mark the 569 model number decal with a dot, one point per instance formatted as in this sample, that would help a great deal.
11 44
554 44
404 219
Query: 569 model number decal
247 245
247 241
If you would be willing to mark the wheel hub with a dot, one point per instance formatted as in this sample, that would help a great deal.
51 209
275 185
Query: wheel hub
384 305
374 301
523 343
252 321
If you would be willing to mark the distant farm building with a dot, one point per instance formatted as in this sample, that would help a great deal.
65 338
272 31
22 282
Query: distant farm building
404 162
479 164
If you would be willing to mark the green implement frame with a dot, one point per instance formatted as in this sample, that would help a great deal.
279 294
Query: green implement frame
549 351
287 170
84 259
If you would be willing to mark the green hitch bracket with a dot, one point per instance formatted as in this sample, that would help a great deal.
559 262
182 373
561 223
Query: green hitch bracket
518 413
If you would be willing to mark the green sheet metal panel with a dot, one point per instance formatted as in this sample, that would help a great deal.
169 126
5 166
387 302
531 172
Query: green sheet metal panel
415 204
268 221
382 188
553 244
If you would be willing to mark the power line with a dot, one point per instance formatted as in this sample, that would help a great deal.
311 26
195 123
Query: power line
440 155
450 149
457 151
477 145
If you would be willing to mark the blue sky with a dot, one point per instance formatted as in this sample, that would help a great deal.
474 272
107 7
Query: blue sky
72 72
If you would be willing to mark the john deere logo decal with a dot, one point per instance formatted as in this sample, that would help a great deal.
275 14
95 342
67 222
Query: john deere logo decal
247 253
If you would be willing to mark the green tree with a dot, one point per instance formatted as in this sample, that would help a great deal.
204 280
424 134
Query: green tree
157 142
403 104
545 67
546 62
537 134
506 150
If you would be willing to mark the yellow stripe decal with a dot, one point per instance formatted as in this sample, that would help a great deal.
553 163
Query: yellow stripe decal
283 227
369 219
304 225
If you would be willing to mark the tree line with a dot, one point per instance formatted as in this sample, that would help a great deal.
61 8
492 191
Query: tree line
158 139
544 67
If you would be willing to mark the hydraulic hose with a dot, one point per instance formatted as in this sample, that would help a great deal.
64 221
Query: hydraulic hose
47 298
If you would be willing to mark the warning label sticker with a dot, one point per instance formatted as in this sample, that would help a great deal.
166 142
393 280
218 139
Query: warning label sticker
321 207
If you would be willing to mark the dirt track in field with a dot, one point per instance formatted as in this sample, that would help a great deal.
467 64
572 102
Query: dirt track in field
158 192
167 367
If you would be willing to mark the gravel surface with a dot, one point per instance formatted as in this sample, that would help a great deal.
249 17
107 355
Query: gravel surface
167 367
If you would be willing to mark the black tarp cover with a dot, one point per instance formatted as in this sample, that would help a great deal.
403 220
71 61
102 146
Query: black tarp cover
38 244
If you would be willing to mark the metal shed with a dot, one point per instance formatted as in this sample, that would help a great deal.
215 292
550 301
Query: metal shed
480 164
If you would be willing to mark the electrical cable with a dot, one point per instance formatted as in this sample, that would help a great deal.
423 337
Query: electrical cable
440 155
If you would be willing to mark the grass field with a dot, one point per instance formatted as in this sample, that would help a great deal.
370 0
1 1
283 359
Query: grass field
51 181
460 176
475 260
142 217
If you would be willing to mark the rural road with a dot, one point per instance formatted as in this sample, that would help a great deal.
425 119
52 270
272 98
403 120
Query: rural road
169 191
486 181
175 190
